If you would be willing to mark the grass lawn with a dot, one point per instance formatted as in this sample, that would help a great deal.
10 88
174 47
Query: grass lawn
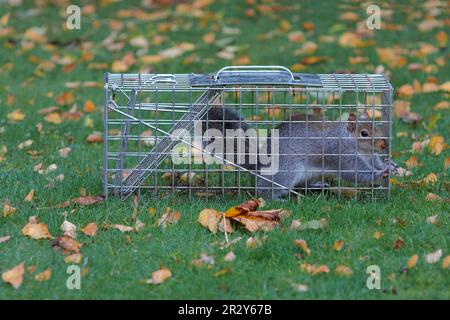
37 68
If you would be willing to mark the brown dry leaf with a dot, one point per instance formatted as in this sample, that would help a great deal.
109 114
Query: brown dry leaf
65 98
442 105
44 275
120 227
8 209
447 162
14 276
66 243
29 197
433 197
226 226
36 230
403 111
412 261
412 162
446 262
209 38
434 256
95 137
170 217
312 60
338 244
16 115
82 201
73 258
54 118
406 90
399 243
90 229
342 270
254 224
314 269
159 276
302 245
209 218
445 86
295 225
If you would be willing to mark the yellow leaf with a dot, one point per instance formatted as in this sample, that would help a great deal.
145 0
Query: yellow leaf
90 229
377 235
14 276
406 90
160 276
430 179
445 86
36 231
338 244
302 245
412 261
412 162
16 115
73 258
53 117
209 218
209 38
119 66
342 270
8 209
43 276
29 197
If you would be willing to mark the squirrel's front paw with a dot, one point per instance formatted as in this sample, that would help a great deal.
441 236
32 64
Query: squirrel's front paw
389 166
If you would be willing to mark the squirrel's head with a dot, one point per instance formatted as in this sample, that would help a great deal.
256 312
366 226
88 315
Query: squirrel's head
371 138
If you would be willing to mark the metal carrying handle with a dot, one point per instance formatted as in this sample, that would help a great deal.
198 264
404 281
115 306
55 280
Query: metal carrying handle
256 69
162 78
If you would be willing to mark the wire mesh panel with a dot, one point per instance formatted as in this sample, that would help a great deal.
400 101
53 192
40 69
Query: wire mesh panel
263 131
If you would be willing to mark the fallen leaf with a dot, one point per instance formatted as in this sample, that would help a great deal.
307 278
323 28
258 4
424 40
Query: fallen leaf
250 205
120 227
90 229
446 262
160 276
314 269
82 201
36 231
73 258
377 235
300 287
209 218
29 197
252 243
434 256
412 261
4 239
16 115
69 229
227 225
14 276
229 257
295 225
204 259
44 275
95 137
64 98
222 272
64 152
169 217
302 245
66 243
433 197
8 209
338 244
399 243
54 118
432 219
89 106
342 270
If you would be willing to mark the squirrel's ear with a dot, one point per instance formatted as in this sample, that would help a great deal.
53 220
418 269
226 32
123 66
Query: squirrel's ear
351 122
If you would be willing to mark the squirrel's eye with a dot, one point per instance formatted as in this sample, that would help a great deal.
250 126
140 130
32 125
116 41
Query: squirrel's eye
364 133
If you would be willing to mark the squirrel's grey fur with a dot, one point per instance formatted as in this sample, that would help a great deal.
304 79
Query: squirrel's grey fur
309 152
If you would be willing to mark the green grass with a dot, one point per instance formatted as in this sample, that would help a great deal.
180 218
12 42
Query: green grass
115 267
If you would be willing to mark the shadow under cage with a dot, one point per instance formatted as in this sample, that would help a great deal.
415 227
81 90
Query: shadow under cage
259 130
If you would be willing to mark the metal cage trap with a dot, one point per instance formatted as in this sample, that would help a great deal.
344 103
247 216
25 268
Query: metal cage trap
259 130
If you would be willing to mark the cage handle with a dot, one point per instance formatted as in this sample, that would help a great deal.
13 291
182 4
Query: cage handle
256 69
163 78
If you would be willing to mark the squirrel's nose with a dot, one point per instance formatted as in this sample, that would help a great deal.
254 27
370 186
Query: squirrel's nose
383 145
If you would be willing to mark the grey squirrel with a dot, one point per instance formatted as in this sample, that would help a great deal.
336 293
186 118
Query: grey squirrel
312 151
